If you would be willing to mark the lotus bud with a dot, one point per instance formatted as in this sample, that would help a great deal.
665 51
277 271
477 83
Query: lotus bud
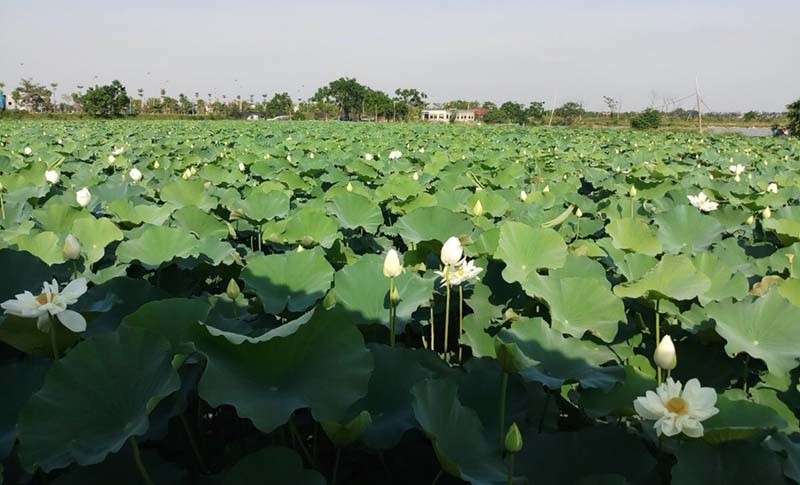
242 168
415 176
193 170
207 185
772 187
83 197
27 151
523 196
72 248
478 189
392 267
633 192
510 314
579 213
349 187
1 187
394 297
300 248
766 213
233 290
52 176
546 189
751 220
513 440
477 209
452 251
665 356
156 165
135 174
186 174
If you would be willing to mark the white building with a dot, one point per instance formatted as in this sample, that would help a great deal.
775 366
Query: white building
448 115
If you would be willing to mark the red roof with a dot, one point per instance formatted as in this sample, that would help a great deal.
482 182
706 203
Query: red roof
480 112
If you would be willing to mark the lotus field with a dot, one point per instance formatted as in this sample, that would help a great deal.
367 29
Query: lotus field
308 303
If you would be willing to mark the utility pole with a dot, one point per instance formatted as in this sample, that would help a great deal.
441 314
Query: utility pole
699 109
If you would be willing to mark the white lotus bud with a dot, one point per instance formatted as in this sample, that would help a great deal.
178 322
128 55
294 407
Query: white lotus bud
135 174
27 151
112 159
477 209
242 168
523 196
633 192
83 197
156 165
546 189
772 187
52 176
349 187
392 267
665 356
451 251
766 213
186 174
751 220
72 248
579 213
415 176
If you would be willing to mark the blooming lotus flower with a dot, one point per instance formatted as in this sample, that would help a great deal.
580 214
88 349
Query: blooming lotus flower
772 187
422 149
27 151
72 248
415 176
368 156
451 251
392 267
523 196
702 202
50 303
395 155
665 356
677 409
186 174
737 170
52 176
136 174
117 151
111 159
83 197
454 276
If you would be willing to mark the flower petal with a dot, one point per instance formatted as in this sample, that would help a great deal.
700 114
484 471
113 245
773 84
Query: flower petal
72 320
73 290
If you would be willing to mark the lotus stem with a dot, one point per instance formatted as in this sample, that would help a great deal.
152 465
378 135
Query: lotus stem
336 465
137 456
296 435
193 444
460 320
391 313
511 468
502 410
658 337
446 315
2 207
53 343
633 212
433 333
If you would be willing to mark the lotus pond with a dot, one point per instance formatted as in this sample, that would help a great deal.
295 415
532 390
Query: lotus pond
219 303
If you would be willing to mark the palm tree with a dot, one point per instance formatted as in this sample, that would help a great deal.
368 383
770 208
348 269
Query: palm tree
54 86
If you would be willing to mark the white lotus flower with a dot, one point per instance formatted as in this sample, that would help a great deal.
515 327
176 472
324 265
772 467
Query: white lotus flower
451 251
766 213
242 168
665 356
72 248
523 196
50 303
117 151
737 169
368 156
422 149
112 159
772 187
702 202
392 267
415 176
454 276
677 409
136 174
186 174
311 155
546 189
83 197
52 176
27 151
395 155
156 165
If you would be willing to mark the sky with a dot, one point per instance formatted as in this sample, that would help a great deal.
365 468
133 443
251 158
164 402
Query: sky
743 54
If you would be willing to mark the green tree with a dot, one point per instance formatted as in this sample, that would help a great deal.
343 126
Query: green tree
280 104
536 110
344 92
515 112
32 96
648 119
569 112
496 116
378 103
794 117
106 101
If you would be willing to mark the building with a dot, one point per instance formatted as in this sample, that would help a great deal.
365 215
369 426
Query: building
448 115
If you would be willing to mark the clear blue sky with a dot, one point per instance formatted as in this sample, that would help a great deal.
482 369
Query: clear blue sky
746 54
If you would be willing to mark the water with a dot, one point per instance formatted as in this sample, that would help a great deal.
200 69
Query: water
742 130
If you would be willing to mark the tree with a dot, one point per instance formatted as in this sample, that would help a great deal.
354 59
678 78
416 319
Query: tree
106 101
569 112
648 119
496 116
488 105
794 117
346 93
613 105
515 112
32 96
411 97
280 104
536 110
378 103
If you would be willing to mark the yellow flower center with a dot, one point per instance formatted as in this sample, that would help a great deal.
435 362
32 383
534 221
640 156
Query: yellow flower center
45 298
677 405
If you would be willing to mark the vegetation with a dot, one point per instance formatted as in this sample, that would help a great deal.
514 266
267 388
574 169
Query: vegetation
794 117
109 101
648 119
220 303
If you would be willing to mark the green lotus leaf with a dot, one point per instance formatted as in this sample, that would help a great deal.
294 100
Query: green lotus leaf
120 469
764 328
456 433
726 282
281 465
791 447
22 272
492 203
292 281
740 419
200 223
732 463
618 401
634 235
322 365
95 398
673 277
19 380
178 320
59 218
362 290
354 211
525 249
785 227
262 206
310 226
399 186
45 246
431 224
112 300
94 235
156 245
343 434
685 229
559 360
187 193
124 211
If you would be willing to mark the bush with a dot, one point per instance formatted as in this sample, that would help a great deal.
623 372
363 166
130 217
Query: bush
794 117
648 119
